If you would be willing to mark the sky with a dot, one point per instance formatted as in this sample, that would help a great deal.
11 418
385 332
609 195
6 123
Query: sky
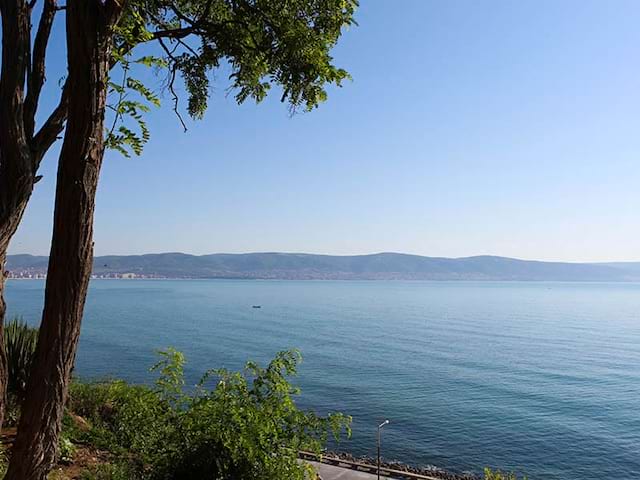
470 128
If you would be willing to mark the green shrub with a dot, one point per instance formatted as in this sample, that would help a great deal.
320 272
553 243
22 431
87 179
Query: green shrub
4 464
123 417
245 426
20 342
66 450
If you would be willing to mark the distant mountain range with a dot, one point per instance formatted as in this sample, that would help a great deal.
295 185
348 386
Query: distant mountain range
298 266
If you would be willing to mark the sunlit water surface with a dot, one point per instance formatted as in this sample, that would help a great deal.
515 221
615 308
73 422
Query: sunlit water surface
541 378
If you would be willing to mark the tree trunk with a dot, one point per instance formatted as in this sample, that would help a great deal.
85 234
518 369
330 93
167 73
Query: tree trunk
4 243
16 165
10 216
89 25
13 202
4 380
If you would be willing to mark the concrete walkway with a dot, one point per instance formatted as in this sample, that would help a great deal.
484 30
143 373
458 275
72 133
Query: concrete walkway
331 472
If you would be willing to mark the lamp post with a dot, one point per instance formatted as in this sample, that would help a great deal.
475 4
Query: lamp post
386 422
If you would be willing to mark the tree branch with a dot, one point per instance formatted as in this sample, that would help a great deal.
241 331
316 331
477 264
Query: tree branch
174 33
53 126
172 79
16 175
50 130
189 21
36 77
15 58
121 96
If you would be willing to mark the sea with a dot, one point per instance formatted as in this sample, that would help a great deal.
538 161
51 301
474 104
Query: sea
538 378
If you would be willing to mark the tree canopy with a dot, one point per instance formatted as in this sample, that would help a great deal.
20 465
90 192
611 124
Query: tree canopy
262 43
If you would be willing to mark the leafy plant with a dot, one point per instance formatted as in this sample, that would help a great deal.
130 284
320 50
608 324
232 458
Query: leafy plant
66 450
3 462
250 423
241 426
20 342
127 110
124 418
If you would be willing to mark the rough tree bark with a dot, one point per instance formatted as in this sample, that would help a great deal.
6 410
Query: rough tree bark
89 25
16 167
21 150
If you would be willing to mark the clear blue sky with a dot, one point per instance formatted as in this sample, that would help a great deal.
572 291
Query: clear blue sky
496 127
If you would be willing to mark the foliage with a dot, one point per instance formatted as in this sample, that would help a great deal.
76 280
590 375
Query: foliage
127 110
498 475
20 342
66 450
124 418
121 137
260 43
3 462
244 426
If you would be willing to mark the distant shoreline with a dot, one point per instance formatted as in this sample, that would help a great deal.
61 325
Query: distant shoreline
368 280
294 266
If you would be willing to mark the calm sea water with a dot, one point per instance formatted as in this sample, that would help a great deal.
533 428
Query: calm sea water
541 378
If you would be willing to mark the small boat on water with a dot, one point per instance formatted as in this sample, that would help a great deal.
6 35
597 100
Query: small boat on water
256 306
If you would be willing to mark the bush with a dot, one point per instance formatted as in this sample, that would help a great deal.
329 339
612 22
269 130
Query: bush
66 450
245 426
20 342
123 418
4 464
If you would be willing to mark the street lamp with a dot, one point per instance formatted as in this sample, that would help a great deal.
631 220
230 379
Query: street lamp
386 422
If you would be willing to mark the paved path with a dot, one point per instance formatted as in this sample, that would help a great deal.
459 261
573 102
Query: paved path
331 472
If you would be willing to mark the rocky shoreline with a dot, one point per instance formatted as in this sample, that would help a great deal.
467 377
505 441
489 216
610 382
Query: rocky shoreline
430 470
